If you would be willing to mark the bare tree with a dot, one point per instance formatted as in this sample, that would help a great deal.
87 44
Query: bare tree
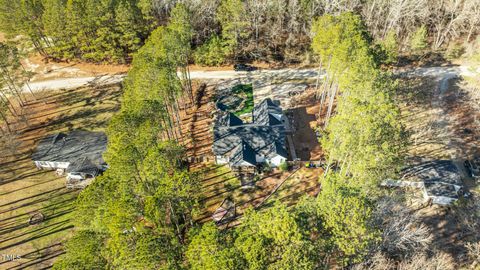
402 232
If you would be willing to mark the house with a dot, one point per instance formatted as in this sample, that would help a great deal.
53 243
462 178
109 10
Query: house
442 181
245 145
78 153
439 181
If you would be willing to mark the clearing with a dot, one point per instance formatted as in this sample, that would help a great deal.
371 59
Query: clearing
219 182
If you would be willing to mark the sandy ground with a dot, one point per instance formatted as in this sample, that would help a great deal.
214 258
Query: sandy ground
302 111
44 70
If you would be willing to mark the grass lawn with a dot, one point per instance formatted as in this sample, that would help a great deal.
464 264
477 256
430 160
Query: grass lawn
26 191
246 92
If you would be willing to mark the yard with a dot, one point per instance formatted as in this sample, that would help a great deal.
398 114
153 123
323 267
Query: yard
239 100
442 124
218 183
28 193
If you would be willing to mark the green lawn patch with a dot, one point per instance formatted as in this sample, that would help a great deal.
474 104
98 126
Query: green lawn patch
245 91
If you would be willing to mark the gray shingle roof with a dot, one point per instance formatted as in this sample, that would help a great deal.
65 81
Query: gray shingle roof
438 171
441 178
85 165
275 148
258 137
228 119
75 147
242 154
265 136
437 188
262 113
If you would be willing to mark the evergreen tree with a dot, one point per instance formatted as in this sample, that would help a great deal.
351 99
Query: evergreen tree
211 53
345 212
272 239
211 248
389 47
230 15
366 135
418 40
84 251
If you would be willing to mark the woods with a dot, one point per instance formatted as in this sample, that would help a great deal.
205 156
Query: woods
147 210
143 206
105 31
229 30
13 87
141 210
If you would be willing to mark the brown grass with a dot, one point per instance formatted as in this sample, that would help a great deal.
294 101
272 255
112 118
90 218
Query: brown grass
25 191
442 127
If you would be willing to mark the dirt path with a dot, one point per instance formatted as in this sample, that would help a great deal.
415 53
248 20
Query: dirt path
444 119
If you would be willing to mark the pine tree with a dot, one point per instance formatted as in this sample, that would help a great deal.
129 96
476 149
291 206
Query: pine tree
230 15
345 213
418 40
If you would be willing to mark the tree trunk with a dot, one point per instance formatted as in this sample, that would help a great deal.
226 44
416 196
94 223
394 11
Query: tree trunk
11 108
318 77
330 105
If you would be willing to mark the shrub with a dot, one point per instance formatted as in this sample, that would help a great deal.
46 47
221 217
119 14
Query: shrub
283 166
266 168
389 48
454 51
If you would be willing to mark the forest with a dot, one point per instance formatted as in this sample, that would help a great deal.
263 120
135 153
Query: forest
141 213
230 30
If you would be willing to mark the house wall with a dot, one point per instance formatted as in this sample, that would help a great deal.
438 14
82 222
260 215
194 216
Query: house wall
51 165
442 200
259 159
278 116
277 160
221 160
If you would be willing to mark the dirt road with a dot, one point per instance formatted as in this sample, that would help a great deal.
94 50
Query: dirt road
260 78
71 83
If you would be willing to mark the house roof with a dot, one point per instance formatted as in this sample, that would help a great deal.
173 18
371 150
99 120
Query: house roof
85 165
258 137
438 171
241 142
275 148
440 178
440 189
266 113
75 147
220 106
243 155
228 119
